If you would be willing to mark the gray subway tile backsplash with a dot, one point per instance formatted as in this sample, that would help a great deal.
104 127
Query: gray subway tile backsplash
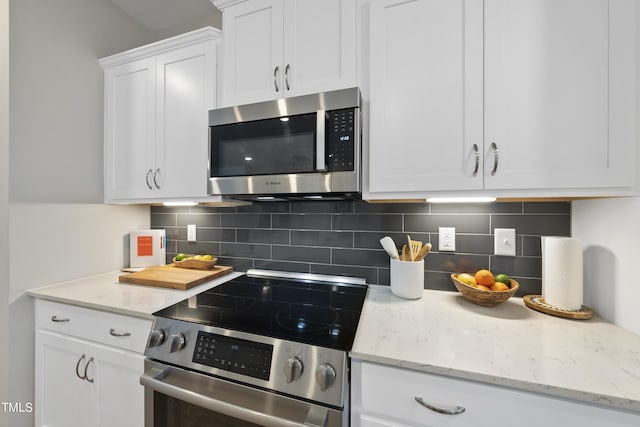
342 237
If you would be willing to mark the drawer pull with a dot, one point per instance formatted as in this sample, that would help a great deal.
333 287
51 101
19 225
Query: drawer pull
55 319
458 409
116 334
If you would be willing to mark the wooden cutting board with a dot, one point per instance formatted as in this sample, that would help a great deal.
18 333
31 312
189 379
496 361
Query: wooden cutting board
170 276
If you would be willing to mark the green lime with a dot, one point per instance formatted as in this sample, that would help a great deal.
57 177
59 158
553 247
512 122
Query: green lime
503 278
180 257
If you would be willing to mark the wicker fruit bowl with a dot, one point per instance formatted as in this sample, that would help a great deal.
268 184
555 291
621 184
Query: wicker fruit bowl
482 297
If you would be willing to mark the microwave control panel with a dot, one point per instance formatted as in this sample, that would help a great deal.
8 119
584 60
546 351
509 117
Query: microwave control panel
341 139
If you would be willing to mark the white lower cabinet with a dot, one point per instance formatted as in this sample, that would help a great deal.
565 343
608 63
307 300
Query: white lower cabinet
384 396
83 382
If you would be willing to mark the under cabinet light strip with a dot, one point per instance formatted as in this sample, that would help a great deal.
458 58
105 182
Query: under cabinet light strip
461 199
179 203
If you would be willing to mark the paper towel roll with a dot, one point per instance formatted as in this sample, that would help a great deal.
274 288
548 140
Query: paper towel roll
562 272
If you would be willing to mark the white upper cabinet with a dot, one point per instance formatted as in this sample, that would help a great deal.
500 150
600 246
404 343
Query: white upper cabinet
425 95
130 93
560 89
279 48
511 98
157 99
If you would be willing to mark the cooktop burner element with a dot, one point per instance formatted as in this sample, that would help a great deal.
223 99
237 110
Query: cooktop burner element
287 332
302 310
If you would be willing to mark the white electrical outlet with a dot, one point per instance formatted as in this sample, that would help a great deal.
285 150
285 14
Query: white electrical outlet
447 239
504 242
191 233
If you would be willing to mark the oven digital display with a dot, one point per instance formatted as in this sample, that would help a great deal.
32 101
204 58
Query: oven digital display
234 355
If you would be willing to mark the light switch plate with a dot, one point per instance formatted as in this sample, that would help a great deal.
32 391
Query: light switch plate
504 242
447 239
191 232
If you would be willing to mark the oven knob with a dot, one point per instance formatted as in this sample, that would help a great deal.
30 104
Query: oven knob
156 337
177 343
293 369
326 376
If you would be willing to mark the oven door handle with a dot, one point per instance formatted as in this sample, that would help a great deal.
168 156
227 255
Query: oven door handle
316 417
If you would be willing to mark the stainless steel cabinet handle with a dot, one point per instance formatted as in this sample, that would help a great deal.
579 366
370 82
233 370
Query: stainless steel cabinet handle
55 319
113 333
286 76
155 178
149 172
494 147
275 77
477 154
78 365
456 411
86 377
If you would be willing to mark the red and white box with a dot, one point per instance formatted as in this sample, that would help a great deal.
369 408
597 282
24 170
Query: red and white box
147 248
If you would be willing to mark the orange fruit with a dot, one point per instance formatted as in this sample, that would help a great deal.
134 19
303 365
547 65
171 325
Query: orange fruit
483 287
484 277
499 286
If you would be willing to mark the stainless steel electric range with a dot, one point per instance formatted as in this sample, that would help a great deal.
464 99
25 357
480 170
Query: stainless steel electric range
266 348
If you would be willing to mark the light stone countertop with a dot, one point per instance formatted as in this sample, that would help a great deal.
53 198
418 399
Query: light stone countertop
508 345
105 292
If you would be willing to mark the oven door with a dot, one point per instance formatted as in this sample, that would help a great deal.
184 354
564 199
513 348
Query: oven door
178 398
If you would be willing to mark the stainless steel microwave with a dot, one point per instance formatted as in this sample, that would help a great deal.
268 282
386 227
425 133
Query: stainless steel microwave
305 147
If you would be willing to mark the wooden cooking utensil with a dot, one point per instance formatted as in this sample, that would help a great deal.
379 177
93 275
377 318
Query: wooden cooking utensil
405 253
410 248
424 251
416 247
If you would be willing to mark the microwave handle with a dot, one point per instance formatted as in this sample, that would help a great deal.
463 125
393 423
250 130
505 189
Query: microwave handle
321 165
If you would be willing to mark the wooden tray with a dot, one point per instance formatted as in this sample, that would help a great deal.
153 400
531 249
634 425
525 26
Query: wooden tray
536 302
170 276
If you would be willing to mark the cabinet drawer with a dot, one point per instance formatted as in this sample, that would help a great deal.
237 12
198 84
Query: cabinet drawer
117 330
388 393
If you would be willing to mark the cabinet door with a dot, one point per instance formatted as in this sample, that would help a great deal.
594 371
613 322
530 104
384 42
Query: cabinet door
559 93
120 397
319 45
252 64
62 398
185 94
129 130
425 95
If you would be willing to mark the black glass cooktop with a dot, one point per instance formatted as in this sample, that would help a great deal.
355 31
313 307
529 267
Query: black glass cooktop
313 312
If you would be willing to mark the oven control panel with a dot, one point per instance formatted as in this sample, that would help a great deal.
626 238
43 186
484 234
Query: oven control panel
233 354
297 369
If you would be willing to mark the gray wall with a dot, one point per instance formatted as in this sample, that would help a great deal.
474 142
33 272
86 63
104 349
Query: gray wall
55 164
343 237
4 204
